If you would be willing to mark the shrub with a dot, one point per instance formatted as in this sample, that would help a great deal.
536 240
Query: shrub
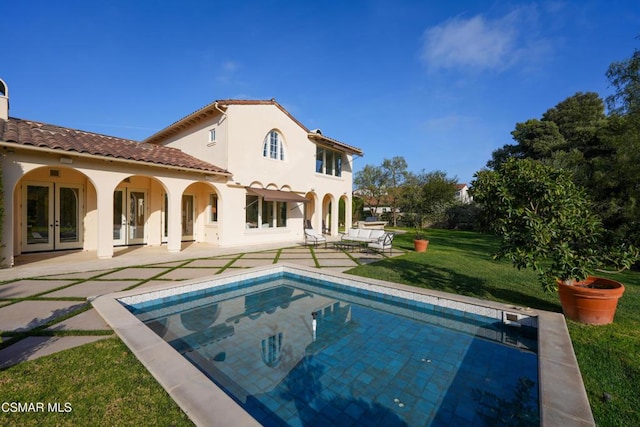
546 222
464 216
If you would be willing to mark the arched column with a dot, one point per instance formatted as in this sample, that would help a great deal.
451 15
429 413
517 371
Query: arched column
105 183
174 187
335 216
11 175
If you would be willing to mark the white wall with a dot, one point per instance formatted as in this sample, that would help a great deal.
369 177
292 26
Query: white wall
240 134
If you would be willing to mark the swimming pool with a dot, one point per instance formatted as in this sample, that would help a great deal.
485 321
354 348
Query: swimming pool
292 346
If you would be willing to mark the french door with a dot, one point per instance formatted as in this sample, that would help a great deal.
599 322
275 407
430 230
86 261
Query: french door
51 216
188 217
129 216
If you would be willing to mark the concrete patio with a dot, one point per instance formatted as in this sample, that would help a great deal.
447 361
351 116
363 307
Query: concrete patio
46 293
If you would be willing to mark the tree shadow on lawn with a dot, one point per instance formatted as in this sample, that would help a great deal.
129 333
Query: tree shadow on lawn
469 243
36 328
448 280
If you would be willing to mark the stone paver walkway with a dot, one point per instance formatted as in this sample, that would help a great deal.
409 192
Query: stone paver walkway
48 295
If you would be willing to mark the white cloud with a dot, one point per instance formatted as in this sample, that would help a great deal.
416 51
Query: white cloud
229 66
227 71
479 43
446 123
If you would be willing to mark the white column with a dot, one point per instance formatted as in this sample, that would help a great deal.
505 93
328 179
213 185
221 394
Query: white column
105 220
335 219
6 240
174 221
175 188
348 213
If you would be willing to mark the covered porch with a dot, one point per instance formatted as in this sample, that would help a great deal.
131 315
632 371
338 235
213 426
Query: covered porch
64 203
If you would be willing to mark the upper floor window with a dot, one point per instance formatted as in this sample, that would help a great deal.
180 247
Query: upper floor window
328 162
212 135
272 147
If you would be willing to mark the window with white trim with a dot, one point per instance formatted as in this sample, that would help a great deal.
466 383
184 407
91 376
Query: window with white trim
260 213
273 147
212 135
328 162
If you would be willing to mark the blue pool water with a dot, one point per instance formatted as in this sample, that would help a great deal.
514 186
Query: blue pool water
300 352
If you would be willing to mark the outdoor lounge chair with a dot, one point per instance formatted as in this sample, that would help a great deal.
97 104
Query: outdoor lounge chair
311 236
382 244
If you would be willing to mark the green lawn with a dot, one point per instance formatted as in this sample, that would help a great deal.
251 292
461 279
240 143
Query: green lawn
103 384
461 262
106 385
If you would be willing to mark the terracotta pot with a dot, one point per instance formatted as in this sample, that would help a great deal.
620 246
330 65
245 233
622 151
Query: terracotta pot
420 245
593 300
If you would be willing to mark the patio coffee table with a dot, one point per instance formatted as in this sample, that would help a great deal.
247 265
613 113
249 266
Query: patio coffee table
348 245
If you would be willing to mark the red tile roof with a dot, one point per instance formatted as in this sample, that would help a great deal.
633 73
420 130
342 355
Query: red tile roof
36 134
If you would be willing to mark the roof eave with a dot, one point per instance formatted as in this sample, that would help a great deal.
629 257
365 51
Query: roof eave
184 123
58 151
332 143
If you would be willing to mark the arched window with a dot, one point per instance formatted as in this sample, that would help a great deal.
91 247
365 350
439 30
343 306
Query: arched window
272 147
271 350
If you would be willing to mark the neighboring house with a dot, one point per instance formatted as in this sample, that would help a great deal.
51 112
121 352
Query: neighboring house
377 207
462 193
235 172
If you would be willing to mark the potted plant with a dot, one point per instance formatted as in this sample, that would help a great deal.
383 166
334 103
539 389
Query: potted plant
546 223
420 242
412 201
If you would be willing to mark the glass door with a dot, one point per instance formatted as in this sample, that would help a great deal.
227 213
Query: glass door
187 217
67 224
37 230
52 217
119 218
129 217
163 219
137 217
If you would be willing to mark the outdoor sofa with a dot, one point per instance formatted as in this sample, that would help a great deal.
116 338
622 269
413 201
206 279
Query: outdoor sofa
363 235
376 239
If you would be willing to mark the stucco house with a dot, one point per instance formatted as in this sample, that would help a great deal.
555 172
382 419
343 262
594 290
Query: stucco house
462 193
233 173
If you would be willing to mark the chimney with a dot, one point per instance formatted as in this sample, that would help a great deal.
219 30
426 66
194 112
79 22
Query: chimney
4 101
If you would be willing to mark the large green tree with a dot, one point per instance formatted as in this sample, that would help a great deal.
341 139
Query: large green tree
624 76
395 174
622 177
426 196
1 210
546 222
370 185
600 151
544 219
572 126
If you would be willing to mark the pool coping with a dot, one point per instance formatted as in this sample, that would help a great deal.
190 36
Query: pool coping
563 399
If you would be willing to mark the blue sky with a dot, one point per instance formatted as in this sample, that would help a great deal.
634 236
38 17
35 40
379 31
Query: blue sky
440 83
